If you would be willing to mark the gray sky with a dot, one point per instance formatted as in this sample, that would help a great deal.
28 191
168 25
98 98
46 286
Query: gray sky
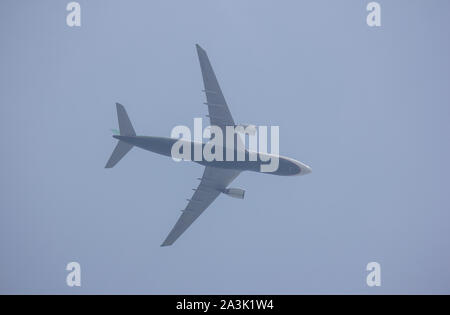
368 109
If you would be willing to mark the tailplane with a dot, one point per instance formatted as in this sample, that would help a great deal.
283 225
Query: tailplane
126 129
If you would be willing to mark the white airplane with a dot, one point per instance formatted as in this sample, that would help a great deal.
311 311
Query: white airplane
217 174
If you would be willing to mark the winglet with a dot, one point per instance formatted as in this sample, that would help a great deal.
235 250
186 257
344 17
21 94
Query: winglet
199 48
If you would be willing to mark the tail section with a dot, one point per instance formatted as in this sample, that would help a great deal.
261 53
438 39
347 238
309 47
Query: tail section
126 129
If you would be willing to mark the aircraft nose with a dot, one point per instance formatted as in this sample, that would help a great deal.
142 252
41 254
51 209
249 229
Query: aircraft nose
306 169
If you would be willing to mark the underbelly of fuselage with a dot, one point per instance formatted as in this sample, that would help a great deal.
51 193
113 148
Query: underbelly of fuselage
242 161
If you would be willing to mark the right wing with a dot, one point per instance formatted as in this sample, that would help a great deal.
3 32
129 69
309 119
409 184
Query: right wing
213 182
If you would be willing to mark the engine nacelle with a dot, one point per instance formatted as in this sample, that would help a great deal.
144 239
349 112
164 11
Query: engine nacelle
234 192
250 129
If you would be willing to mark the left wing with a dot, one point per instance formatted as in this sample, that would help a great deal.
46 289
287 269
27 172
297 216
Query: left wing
213 182
219 113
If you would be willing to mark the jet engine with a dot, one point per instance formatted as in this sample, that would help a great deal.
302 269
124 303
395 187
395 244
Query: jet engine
234 192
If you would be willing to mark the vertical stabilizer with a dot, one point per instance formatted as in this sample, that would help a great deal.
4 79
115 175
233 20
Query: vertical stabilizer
126 129
125 126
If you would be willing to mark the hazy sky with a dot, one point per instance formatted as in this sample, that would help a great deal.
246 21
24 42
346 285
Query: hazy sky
367 108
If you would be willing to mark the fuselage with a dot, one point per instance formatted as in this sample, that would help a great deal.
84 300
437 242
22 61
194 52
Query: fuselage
163 146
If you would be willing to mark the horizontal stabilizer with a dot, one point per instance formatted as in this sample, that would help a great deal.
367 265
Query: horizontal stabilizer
119 152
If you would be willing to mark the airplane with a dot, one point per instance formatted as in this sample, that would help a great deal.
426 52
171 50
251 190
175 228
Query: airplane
217 175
